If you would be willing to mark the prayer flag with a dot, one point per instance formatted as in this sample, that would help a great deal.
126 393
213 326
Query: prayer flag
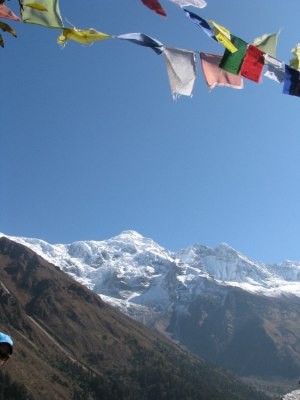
7 28
223 36
253 64
84 37
50 18
201 23
186 3
155 6
275 73
291 83
143 40
275 69
37 6
232 62
273 61
214 75
5 12
267 43
295 62
181 68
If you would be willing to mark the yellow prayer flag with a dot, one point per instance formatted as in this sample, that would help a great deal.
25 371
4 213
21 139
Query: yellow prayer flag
295 62
36 6
80 36
223 36
7 28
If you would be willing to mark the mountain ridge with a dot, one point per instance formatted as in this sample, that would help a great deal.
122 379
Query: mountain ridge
223 262
208 300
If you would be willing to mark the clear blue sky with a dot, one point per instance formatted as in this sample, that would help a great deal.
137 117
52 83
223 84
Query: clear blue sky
92 142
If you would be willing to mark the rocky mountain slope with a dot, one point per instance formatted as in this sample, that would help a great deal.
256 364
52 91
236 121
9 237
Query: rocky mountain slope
69 344
236 312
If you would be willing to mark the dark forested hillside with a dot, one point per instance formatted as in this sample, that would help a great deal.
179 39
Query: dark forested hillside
70 345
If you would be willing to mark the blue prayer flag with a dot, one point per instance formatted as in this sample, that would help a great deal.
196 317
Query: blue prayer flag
204 25
291 83
143 40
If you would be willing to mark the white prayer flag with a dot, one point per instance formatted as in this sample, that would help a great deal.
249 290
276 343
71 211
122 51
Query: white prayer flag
181 68
195 3
273 61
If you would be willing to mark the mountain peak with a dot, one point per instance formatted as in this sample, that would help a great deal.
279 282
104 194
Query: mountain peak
225 250
129 234
225 246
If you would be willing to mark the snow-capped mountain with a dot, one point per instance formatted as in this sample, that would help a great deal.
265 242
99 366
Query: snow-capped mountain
229 267
69 345
236 312
141 278
126 267
133 268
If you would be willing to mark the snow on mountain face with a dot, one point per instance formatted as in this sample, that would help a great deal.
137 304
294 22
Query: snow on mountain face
295 395
127 267
229 267
288 270
132 269
225 264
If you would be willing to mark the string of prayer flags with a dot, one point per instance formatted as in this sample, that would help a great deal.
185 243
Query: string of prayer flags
253 64
181 69
291 83
81 36
214 75
47 14
232 62
143 40
201 23
239 59
223 36
295 62
155 6
267 43
186 3
7 13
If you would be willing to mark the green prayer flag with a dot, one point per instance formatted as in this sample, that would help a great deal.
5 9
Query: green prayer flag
49 17
267 43
232 62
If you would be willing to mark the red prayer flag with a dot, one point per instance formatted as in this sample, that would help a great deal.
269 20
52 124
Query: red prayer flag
5 12
253 64
155 6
